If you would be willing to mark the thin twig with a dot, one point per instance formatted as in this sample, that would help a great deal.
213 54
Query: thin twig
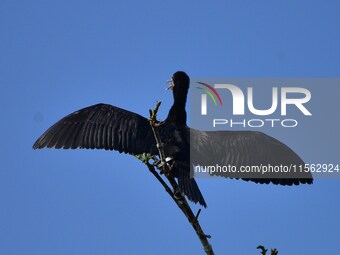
178 198
197 214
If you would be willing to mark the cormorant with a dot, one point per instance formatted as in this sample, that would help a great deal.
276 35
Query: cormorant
103 126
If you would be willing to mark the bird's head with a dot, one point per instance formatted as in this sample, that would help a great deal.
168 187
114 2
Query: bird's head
179 82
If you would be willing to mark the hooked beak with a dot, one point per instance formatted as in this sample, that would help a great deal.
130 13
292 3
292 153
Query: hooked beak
171 84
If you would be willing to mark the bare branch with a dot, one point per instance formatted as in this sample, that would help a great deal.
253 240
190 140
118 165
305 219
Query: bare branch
178 198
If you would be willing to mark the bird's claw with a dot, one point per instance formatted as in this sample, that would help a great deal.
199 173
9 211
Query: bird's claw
159 163
159 123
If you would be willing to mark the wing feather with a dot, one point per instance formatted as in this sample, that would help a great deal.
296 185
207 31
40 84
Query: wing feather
245 148
100 126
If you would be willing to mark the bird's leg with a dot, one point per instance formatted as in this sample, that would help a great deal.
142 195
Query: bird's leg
159 123
178 194
159 163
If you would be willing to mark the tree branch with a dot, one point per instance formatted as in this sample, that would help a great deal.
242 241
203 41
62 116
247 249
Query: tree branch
175 192
176 195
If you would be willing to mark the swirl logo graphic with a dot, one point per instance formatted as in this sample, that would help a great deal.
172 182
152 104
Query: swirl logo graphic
211 92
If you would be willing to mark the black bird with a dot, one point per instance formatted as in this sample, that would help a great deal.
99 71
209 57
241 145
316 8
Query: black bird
103 126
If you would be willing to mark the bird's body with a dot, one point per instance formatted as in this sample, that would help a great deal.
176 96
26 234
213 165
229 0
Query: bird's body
104 126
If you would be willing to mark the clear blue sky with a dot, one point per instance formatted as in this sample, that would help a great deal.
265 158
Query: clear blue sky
60 56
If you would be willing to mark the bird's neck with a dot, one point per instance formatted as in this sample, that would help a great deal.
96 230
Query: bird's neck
177 113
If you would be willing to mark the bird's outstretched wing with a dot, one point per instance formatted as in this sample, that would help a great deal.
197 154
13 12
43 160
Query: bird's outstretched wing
100 126
247 149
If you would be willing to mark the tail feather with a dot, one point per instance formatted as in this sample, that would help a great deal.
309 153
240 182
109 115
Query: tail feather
189 187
